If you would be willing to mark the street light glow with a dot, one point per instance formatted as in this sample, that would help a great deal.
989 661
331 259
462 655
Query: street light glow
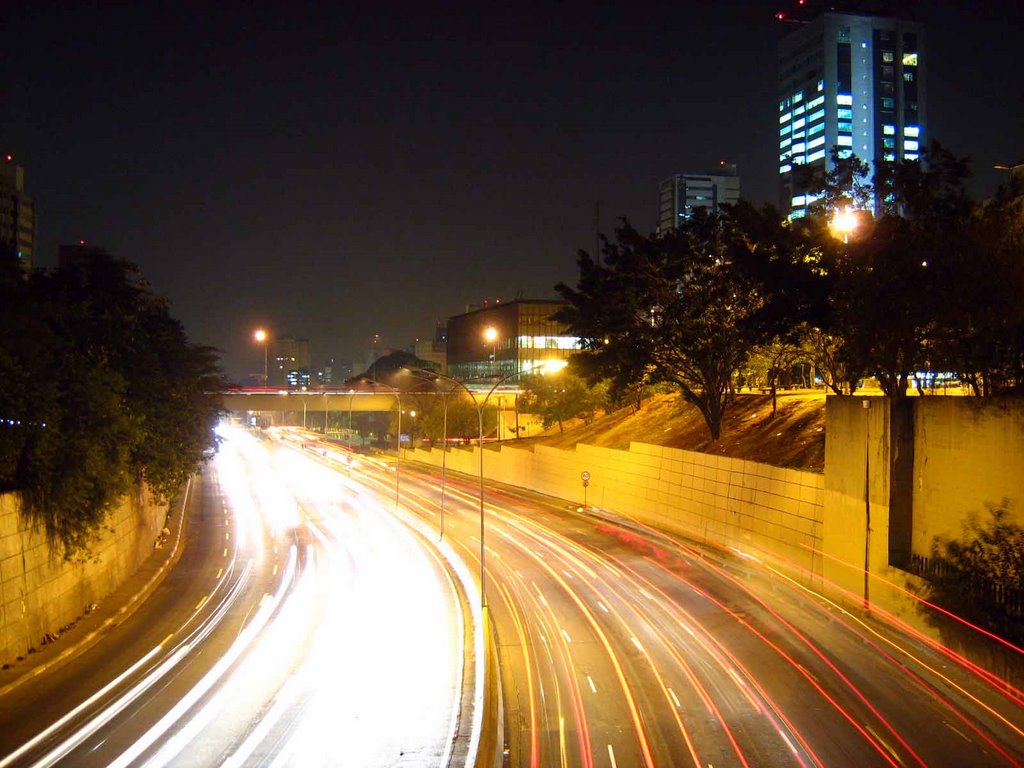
844 222
260 335
491 334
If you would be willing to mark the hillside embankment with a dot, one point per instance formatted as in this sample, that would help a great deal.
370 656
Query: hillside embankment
794 437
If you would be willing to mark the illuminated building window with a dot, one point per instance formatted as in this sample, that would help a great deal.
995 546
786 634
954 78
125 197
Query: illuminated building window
844 126
785 118
798 96
912 131
816 156
816 142
887 57
844 114
910 59
786 168
798 200
888 102
910 156
799 213
889 142
785 143
889 130
911 145
816 116
815 102
889 157
821 85
799 123
798 135
908 77
845 153
844 141
799 147
799 110
844 99
818 128
784 130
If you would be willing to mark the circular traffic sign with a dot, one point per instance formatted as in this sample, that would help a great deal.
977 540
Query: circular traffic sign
585 476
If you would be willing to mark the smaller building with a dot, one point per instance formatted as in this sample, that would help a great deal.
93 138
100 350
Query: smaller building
502 339
289 362
681 194
17 215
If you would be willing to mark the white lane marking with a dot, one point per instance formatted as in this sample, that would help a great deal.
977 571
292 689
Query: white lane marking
611 756
601 606
566 636
675 698
637 644
592 686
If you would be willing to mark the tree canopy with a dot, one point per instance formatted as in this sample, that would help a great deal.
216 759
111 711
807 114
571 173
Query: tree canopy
99 389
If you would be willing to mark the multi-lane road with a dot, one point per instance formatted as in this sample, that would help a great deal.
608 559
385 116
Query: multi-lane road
301 626
309 624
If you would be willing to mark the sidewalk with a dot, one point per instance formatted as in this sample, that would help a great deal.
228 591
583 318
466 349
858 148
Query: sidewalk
90 628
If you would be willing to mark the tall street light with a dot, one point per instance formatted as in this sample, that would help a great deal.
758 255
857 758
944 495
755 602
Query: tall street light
491 335
261 338
844 222
550 367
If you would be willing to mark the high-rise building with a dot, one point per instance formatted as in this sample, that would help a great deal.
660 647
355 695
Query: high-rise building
849 81
680 194
17 214
289 362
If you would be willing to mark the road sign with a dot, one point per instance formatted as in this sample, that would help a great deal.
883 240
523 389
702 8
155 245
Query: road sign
585 476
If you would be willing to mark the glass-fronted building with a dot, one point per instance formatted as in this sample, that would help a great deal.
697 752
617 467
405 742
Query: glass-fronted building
850 81
524 336
680 194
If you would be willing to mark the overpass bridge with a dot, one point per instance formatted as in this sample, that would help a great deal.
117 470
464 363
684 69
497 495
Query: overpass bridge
273 400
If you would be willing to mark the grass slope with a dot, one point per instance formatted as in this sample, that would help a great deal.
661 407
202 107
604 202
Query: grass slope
795 437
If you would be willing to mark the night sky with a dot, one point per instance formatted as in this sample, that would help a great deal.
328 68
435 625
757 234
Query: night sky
334 172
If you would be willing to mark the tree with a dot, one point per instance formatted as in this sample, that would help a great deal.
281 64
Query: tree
105 391
557 399
676 308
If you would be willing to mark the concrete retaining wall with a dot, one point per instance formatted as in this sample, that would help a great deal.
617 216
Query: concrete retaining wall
40 593
766 510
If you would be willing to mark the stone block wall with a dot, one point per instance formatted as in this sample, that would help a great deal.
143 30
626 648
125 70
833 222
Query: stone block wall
40 592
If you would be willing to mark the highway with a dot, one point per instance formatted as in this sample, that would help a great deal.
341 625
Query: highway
303 625
621 646
307 624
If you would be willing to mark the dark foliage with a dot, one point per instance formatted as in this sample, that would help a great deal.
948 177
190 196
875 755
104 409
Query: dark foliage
100 389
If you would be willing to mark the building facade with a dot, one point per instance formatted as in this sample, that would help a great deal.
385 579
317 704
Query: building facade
17 215
525 336
680 194
848 81
289 362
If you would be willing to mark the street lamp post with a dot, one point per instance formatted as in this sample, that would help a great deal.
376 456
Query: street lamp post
261 337
491 335
552 366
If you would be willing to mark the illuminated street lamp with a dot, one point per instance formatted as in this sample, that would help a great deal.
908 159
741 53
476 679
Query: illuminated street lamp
491 335
261 338
844 222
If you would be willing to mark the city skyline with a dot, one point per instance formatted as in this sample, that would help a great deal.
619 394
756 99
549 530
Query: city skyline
334 175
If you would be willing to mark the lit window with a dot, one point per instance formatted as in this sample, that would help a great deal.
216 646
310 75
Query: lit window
888 142
799 110
908 77
821 85
786 168
815 102
798 160
887 57
798 135
815 129
913 131
910 59
888 102
844 98
785 143
816 116
785 118
844 141
816 142
844 114
784 130
799 213
799 123
889 130
812 198
910 156
844 126
889 157
798 96
911 145
798 200
782 158
799 147
820 154
782 106
845 153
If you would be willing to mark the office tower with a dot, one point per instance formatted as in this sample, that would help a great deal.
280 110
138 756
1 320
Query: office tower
17 214
850 81
680 194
